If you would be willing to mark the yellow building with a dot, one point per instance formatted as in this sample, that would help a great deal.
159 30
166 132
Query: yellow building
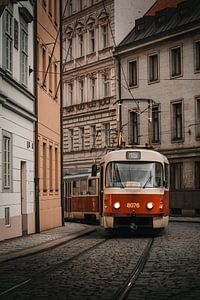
48 107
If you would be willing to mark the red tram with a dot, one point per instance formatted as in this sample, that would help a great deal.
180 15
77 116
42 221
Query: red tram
131 190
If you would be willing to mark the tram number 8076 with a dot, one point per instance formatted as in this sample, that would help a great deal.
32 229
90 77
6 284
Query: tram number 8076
133 205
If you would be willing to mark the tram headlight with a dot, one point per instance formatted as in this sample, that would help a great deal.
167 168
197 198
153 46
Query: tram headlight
150 205
117 205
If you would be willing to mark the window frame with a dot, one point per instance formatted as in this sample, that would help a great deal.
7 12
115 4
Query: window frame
8 39
156 124
106 85
133 83
105 36
7 162
153 71
174 130
133 136
197 117
173 71
196 56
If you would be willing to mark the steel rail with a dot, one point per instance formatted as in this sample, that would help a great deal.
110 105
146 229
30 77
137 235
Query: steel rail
52 268
125 289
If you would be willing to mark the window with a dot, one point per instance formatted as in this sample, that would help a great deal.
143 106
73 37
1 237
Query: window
93 135
80 4
70 51
197 175
106 85
7 216
70 7
93 88
38 59
133 75
107 134
176 64
198 117
82 138
50 75
50 8
44 65
8 26
50 168
44 168
81 85
105 36
24 56
177 133
55 80
153 68
7 161
55 12
133 131
197 56
71 139
92 40
56 169
155 124
81 45
70 92
176 179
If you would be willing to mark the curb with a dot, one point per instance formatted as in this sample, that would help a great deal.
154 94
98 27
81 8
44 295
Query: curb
44 246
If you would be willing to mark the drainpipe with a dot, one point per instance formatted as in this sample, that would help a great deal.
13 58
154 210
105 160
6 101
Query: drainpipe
37 190
61 121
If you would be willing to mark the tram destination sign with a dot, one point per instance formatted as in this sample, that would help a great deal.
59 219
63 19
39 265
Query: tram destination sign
134 155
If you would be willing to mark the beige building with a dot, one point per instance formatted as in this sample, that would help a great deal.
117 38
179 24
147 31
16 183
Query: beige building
48 103
91 29
17 119
161 59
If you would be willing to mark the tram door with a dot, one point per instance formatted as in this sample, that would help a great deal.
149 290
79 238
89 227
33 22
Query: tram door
68 199
101 191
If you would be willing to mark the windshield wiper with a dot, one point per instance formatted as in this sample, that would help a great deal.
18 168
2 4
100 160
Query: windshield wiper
149 178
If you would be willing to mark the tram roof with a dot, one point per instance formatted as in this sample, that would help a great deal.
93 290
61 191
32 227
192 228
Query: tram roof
145 155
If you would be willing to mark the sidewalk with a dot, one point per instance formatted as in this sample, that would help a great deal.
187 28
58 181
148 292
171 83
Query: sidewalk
29 244
185 219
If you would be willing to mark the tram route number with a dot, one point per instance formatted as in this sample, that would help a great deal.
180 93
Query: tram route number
133 205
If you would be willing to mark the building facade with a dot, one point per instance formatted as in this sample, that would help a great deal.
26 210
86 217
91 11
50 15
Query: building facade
17 207
91 30
48 106
161 59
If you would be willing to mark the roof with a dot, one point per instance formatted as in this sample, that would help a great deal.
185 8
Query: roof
167 21
161 4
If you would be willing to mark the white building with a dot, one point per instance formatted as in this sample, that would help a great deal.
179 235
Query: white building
17 212
91 29
161 60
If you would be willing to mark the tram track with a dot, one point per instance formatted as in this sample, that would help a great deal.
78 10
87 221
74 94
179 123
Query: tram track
129 283
40 275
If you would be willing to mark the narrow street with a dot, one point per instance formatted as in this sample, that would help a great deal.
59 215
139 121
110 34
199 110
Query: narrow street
97 265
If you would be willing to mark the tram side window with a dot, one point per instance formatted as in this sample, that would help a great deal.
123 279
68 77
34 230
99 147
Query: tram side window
92 186
83 187
166 183
158 175
76 187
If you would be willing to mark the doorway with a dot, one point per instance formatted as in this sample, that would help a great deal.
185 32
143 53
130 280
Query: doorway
23 184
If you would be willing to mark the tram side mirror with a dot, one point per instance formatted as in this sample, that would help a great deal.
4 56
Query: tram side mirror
94 170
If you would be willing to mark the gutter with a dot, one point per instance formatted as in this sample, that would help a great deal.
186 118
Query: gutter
61 121
36 179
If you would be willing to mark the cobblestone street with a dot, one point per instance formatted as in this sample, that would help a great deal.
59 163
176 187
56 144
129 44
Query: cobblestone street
97 265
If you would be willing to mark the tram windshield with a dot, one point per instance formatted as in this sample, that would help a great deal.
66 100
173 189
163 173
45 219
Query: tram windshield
134 174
